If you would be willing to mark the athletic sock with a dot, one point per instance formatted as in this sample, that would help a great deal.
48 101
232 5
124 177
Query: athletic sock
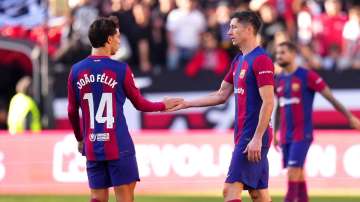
292 192
302 194
235 200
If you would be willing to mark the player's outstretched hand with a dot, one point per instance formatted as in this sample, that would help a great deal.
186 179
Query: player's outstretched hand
253 150
182 105
80 146
354 122
172 102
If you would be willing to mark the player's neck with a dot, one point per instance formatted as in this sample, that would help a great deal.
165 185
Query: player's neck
102 51
291 68
248 46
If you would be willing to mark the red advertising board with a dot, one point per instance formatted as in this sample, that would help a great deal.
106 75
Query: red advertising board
189 162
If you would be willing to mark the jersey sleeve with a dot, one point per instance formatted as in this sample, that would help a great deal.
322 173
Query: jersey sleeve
315 82
264 71
73 109
229 77
133 93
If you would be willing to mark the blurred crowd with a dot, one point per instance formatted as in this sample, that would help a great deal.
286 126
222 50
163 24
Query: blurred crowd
191 35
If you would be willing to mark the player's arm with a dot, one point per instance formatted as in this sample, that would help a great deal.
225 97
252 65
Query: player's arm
139 102
216 98
219 97
73 109
327 94
264 74
277 125
316 83
254 147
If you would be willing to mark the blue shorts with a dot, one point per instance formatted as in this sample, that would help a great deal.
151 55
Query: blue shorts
252 175
105 174
294 153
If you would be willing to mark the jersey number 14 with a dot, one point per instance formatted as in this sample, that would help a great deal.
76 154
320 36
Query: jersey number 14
105 101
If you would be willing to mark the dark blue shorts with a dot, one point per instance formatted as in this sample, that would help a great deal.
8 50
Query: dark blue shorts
105 174
252 175
294 153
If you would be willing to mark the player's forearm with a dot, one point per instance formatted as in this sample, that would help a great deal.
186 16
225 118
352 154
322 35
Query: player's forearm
144 105
340 108
210 100
75 124
335 103
264 118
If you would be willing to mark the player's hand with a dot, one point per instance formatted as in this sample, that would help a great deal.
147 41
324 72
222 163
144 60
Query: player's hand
80 146
253 150
276 143
182 105
172 102
354 122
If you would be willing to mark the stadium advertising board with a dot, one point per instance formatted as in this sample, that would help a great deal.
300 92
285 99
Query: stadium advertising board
48 163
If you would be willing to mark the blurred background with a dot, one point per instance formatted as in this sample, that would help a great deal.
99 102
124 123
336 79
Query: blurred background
175 48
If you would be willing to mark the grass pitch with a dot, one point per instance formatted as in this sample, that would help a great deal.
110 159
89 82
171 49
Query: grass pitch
162 199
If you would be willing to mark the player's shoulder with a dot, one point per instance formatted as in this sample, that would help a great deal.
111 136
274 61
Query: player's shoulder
261 53
258 55
116 63
304 71
79 64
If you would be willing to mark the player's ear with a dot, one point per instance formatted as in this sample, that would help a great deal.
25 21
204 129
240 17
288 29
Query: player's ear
109 39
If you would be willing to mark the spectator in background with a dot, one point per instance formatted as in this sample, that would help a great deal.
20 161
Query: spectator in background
141 12
158 42
351 37
23 111
124 51
222 14
332 59
209 57
184 26
308 57
134 22
74 42
272 25
158 38
84 14
328 28
286 9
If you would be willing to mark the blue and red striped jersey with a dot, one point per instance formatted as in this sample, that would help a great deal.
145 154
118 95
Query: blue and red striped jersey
99 86
248 73
295 93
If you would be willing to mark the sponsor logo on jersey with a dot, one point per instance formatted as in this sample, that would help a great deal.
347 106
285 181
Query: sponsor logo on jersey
101 137
266 72
240 91
288 101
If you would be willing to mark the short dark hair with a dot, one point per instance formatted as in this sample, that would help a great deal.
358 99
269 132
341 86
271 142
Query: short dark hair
101 29
248 17
290 45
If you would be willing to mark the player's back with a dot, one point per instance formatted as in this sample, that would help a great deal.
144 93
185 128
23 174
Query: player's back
98 82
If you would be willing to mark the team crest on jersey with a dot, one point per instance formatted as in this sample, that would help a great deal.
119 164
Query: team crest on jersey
295 86
242 73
